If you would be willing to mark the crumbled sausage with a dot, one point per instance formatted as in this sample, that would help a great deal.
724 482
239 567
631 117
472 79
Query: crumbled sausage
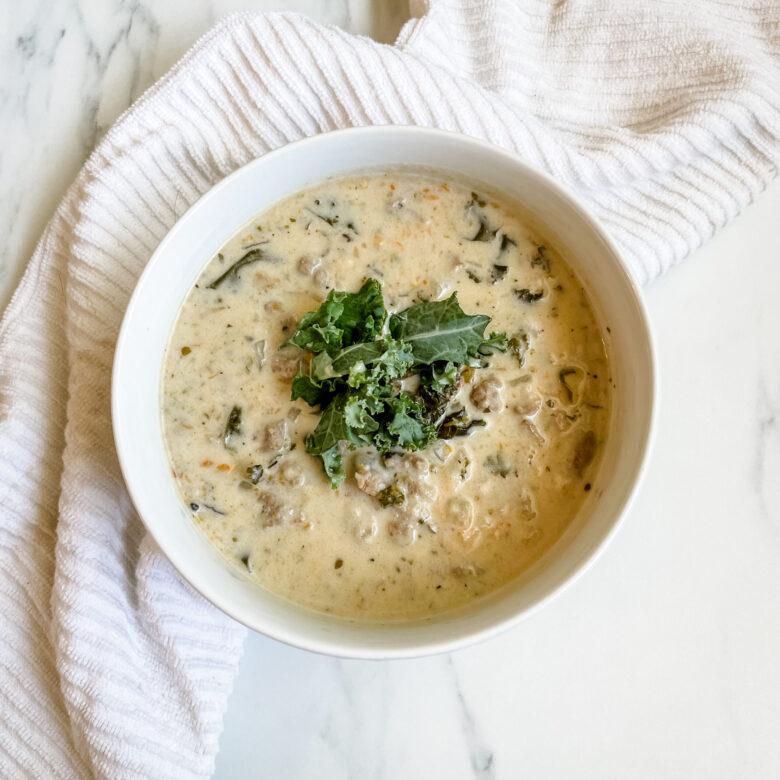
321 278
419 496
486 395
416 488
272 511
393 461
275 436
285 364
528 404
460 512
417 464
307 264
366 530
370 480
402 531
292 474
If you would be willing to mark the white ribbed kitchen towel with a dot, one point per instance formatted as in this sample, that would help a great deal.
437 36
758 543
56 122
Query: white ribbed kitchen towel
663 115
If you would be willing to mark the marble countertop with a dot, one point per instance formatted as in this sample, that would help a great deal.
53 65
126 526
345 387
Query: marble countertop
663 660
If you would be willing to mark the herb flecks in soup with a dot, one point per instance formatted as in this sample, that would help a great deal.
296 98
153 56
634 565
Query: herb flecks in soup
455 470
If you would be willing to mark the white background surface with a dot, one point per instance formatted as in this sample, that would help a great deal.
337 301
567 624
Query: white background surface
663 660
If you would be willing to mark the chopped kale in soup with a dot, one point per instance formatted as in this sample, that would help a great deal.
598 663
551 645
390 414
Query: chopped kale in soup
386 397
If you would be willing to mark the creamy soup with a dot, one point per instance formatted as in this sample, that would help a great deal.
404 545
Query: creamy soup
407 534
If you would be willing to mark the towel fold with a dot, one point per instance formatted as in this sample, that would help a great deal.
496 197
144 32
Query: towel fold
663 116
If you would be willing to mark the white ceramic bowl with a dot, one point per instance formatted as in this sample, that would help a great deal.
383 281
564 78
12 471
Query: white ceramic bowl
200 233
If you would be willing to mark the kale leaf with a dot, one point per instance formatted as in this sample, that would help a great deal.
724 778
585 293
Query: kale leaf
331 462
331 429
393 357
360 411
495 342
355 375
519 345
440 375
251 257
343 319
457 424
407 427
435 402
313 392
439 330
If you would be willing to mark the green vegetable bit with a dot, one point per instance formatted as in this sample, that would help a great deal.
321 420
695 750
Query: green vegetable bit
390 496
251 257
343 319
526 296
440 330
232 427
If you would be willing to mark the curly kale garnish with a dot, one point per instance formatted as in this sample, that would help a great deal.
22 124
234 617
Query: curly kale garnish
343 319
361 356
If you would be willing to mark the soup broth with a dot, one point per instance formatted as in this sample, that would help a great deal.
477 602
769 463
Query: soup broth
408 534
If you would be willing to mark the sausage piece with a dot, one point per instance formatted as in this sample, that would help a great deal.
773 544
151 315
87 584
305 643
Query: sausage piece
486 395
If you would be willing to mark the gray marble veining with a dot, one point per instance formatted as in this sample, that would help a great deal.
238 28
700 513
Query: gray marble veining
767 461
69 68
481 756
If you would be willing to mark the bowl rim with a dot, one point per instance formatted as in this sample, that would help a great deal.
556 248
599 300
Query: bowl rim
327 645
